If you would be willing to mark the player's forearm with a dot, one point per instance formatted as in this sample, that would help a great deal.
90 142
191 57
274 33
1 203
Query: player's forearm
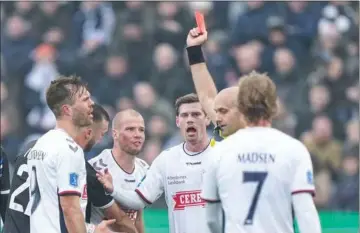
128 198
139 222
204 83
73 216
306 213
125 226
213 217
74 220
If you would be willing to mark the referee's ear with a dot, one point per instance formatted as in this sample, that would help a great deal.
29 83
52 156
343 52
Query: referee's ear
207 121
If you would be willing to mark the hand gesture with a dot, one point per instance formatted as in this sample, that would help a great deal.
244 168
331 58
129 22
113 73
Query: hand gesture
195 38
103 227
106 180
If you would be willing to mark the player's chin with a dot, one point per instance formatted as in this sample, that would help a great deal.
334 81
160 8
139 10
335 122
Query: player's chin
191 137
136 149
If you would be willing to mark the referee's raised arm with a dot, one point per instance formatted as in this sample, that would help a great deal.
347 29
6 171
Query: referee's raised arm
204 83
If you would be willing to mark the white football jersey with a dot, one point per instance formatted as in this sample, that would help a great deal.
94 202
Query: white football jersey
179 174
127 181
254 174
56 167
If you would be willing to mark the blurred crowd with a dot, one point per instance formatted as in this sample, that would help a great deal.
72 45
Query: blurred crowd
132 55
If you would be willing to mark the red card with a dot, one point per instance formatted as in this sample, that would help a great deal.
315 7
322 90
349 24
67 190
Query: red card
200 21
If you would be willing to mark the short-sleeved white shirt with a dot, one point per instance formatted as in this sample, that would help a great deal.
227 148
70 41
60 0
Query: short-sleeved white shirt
254 174
180 175
56 167
127 181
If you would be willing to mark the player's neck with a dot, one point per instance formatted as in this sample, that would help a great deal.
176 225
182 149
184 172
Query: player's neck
261 123
124 160
197 146
69 128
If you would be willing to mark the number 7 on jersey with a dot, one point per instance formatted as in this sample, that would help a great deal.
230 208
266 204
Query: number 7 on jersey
259 178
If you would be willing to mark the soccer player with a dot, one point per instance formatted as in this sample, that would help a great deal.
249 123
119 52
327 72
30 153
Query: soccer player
220 107
128 131
176 171
259 173
56 162
17 221
4 182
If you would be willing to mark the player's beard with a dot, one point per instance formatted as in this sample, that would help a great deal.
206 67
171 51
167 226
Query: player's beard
130 151
81 119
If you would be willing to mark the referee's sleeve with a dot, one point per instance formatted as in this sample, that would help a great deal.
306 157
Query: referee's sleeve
95 190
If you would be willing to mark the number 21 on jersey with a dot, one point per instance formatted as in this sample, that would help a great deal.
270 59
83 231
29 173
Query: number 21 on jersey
34 192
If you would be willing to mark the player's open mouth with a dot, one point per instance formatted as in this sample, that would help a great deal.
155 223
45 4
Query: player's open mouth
190 130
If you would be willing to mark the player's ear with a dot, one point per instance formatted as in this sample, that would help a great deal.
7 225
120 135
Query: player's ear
114 134
88 133
177 122
66 110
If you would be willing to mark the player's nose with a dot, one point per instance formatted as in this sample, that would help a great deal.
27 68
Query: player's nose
91 103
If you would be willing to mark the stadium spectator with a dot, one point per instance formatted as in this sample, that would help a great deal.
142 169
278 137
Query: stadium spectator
323 146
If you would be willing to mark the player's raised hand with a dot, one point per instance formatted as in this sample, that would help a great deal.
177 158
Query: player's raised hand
195 37
103 227
106 180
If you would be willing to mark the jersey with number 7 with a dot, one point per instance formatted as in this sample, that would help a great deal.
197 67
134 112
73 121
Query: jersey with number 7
254 174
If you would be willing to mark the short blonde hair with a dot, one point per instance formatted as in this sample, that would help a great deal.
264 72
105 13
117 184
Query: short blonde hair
257 97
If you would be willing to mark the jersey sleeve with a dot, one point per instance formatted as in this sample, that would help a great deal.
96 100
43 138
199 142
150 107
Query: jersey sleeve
70 170
96 192
303 180
151 187
209 190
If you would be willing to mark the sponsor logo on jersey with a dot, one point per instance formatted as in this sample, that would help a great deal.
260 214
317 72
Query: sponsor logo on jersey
309 177
129 181
99 165
187 199
74 179
84 195
193 163
176 179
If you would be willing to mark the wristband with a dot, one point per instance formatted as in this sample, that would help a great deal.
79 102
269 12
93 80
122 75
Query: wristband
195 55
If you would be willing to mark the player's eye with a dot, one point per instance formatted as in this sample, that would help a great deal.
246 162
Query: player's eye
196 114
224 111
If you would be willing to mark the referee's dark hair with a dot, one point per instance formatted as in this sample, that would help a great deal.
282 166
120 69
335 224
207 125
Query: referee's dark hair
99 113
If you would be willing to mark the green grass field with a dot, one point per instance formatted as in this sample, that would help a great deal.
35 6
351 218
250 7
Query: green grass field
156 221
